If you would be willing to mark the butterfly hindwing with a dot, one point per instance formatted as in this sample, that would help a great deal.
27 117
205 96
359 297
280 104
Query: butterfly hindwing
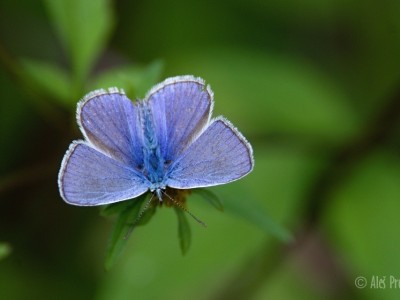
88 177
220 155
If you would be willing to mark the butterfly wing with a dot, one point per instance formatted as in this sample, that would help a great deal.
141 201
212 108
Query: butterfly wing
219 155
88 177
110 122
181 107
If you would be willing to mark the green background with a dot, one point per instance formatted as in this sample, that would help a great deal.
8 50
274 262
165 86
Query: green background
313 85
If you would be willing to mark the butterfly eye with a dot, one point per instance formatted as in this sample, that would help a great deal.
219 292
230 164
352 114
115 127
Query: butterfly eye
167 162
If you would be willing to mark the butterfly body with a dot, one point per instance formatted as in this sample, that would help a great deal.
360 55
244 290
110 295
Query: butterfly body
153 161
167 140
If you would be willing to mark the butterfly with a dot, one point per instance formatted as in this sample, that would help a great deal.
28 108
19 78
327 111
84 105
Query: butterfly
167 140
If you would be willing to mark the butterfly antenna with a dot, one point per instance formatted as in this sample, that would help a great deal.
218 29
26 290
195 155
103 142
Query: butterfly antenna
146 207
184 209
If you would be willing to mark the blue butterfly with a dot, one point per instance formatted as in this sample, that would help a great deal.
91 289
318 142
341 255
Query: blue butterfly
166 140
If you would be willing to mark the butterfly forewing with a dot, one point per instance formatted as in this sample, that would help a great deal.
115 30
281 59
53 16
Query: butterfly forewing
181 108
110 121
219 155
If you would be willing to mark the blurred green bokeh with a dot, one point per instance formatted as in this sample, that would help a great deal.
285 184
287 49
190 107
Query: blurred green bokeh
313 85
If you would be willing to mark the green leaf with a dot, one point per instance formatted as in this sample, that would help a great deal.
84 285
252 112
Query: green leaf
50 79
210 197
5 250
184 232
84 27
114 208
135 80
147 215
122 228
251 212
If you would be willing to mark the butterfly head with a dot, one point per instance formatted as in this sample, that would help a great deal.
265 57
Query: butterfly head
169 197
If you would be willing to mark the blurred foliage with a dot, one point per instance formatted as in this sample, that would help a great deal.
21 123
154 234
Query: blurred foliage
210 197
5 250
128 212
313 85
184 232
83 27
135 80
